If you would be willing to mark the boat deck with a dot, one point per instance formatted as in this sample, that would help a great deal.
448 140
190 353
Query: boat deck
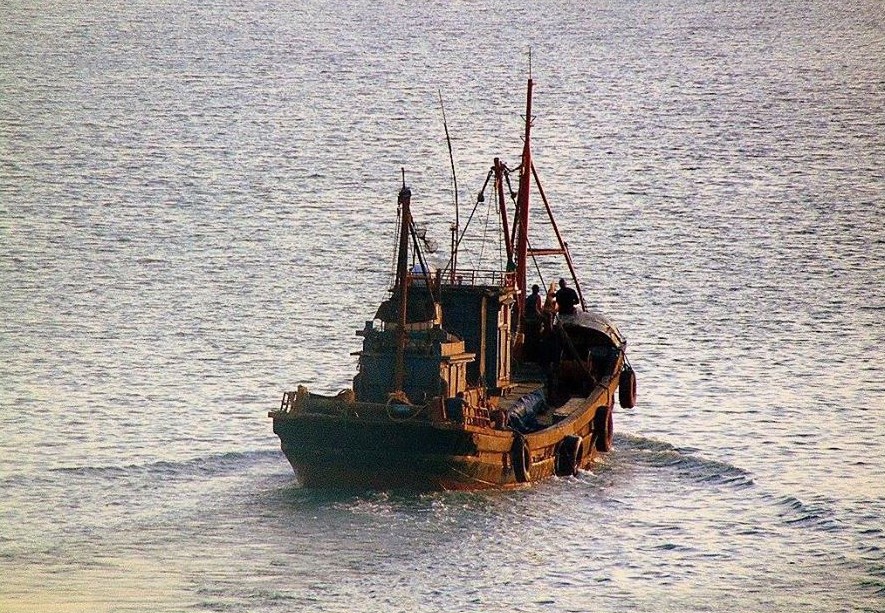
517 391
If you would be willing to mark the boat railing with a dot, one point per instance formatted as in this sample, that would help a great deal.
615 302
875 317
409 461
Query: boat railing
477 416
293 402
471 277
289 403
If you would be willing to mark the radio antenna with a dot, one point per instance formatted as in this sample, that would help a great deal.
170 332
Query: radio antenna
454 183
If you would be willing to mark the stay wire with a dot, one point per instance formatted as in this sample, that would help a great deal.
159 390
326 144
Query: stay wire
464 231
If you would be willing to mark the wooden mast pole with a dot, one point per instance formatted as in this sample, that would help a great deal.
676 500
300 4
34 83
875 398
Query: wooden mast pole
402 277
502 207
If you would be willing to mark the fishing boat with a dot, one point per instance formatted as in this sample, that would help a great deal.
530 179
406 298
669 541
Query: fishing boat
464 380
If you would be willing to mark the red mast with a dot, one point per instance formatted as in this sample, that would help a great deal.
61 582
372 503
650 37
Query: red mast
522 209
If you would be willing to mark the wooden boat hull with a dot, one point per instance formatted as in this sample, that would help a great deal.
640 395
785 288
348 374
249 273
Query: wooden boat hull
328 451
339 448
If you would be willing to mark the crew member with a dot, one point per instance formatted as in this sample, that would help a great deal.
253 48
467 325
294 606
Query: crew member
533 307
566 299
532 323
455 407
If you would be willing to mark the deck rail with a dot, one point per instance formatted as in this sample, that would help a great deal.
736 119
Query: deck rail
467 277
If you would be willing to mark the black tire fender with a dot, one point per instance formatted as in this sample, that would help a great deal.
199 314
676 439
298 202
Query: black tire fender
627 388
569 455
522 459
604 428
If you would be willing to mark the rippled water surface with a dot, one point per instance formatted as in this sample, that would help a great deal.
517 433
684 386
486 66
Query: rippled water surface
196 212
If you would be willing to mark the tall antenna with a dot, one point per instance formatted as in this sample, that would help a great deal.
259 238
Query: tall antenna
454 182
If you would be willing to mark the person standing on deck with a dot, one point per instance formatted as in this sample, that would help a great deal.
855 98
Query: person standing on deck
566 299
532 324
533 307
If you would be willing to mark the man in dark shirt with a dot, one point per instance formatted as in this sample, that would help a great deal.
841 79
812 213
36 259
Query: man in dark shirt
566 299
533 321
533 310
455 407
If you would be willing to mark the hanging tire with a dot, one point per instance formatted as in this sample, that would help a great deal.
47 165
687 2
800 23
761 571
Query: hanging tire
522 459
569 456
627 388
604 428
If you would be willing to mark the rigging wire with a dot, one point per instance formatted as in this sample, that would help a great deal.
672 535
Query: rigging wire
466 225
422 262
485 230
393 257
538 268
452 161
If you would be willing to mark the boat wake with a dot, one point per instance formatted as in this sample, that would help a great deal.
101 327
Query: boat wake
818 515
639 450
212 465
815 512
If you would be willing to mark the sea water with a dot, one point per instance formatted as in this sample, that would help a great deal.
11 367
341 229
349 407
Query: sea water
197 210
